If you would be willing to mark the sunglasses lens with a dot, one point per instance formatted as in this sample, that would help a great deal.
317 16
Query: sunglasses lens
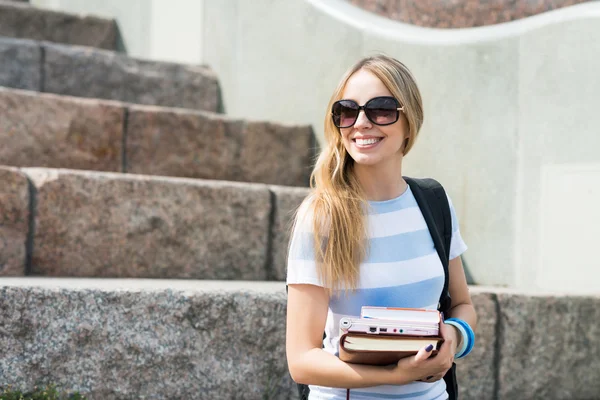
382 110
344 113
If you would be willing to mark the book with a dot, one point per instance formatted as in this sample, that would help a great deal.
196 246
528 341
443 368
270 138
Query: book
360 348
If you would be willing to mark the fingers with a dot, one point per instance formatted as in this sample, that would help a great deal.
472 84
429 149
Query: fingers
434 378
424 353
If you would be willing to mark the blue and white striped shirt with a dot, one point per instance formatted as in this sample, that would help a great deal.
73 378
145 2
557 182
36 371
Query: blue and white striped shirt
402 269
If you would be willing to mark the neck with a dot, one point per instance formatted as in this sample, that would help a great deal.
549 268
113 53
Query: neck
381 182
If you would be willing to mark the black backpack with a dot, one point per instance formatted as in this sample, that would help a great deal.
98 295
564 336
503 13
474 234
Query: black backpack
432 201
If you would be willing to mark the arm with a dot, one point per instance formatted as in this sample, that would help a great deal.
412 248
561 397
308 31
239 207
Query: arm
308 363
462 307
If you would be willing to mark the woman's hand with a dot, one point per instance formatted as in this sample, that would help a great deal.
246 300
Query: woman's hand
451 336
423 367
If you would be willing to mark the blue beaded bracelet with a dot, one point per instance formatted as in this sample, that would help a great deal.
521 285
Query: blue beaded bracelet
468 336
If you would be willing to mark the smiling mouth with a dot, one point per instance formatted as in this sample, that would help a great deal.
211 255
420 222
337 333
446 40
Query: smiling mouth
367 142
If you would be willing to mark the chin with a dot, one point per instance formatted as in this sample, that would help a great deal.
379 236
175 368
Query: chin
366 160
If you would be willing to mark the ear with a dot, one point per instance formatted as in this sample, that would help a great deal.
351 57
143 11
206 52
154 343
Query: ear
404 144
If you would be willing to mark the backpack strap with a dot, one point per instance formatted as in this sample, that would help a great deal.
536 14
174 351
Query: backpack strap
433 202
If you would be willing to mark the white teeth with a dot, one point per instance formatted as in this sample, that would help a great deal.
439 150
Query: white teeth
364 142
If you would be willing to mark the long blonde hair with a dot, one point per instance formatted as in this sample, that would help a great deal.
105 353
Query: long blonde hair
337 202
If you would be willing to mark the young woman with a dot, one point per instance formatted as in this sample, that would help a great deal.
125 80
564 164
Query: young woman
360 239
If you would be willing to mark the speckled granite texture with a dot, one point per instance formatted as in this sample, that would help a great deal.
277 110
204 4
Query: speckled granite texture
146 344
287 201
25 21
549 347
460 13
20 62
87 72
14 221
114 225
58 132
94 73
160 339
45 130
204 145
91 224
476 373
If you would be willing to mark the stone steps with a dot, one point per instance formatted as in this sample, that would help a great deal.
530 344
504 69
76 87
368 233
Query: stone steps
94 73
20 20
156 339
44 130
118 339
96 224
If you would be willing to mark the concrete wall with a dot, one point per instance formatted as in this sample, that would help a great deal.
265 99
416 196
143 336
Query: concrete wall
507 108
166 30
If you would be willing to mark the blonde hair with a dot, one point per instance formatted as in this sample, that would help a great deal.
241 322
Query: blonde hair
337 202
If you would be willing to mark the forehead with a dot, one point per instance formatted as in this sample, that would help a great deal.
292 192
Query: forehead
363 86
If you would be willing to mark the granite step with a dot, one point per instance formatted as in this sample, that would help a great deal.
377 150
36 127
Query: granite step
94 73
56 222
157 339
46 130
22 20
136 339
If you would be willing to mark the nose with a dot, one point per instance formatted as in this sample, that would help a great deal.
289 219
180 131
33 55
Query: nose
362 122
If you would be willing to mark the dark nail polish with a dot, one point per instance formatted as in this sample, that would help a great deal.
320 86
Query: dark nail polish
429 348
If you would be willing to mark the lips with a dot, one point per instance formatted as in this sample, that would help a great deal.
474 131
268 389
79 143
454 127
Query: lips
366 141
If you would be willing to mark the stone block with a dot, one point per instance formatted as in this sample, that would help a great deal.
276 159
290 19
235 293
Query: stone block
87 72
115 225
20 62
549 347
41 130
183 143
28 22
165 340
277 154
477 372
14 221
286 200
210 146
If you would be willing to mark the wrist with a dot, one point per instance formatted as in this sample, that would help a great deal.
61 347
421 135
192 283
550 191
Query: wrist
458 337
466 333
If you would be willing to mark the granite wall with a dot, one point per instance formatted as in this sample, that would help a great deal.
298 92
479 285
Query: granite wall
460 13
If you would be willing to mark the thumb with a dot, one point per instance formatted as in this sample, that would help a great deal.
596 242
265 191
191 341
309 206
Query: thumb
424 353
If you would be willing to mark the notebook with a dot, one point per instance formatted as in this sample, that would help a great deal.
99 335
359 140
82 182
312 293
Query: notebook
360 348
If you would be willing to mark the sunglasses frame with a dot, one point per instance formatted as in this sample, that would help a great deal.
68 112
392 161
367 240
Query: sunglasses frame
364 109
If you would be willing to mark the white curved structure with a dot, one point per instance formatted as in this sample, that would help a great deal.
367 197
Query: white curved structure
512 114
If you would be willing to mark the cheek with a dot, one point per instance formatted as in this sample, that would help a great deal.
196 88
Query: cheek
396 131
345 136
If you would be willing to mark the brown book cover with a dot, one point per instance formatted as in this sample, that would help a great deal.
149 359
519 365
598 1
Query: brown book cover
360 348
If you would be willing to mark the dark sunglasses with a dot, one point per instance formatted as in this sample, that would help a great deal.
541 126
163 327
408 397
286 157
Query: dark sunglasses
384 110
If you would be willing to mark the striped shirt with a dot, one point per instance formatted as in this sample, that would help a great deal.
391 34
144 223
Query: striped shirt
402 269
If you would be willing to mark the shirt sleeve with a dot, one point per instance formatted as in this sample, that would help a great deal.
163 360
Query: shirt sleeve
301 265
457 244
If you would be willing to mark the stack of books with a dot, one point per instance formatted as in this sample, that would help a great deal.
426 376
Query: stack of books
384 335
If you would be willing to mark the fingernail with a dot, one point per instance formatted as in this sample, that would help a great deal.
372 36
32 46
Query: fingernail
429 348
429 377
